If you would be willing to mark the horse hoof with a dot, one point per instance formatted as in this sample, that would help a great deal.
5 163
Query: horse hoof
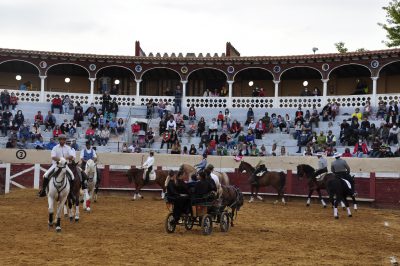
66 215
344 208
95 200
50 226
58 229
71 219
308 205
87 209
336 217
350 215
76 220
324 206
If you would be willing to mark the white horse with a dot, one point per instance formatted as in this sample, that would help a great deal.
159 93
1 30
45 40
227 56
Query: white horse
58 191
91 172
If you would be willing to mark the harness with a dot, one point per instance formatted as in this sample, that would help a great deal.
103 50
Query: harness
60 186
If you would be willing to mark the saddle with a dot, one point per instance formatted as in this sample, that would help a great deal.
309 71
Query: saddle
347 183
320 177
260 174
152 175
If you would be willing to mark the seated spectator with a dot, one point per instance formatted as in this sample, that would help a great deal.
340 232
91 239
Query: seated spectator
347 153
11 144
74 145
113 126
24 132
263 150
307 116
360 149
381 112
36 132
316 92
283 151
334 110
39 118
235 128
162 126
364 128
261 93
260 129
50 121
326 112
66 104
171 124
174 137
89 135
391 118
51 144
393 108
124 148
176 148
249 137
181 128
250 116
307 127
91 111
149 137
252 125
192 150
150 108
113 110
78 107
56 103
39 144
192 129
178 118
166 136
321 139
367 109
78 116
227 116
135 128
161 108
205 139
394 135
314 119
64 127
254 150
120 126
330 139
201 127
213 127
299 116
19 118
372 133
56 131
104 136
305 92
383 132
13 100
357 114
72 128
102 121
192 113
207 93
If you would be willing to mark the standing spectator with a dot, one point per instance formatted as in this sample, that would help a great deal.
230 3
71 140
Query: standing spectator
299 116
2 99
305 92
113 110
72 128
19 118
261 93
120 126
314 119
149 137
192 150
135 129
66 104
13 100
50 121
78 117
6 100
383 132
213 127
150 109
250 115
381 112
201 127
166 136
357 114
224 92
207 93
227 116
178 99
106 102
161 108
260 129
220 118
316 92
162 126
56 103
78 107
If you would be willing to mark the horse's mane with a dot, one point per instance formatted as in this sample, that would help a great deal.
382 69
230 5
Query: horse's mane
308 170
248 164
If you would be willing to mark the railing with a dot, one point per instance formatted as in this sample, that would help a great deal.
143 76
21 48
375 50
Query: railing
253 102
122 100
350 100
27 96
82 98
388 97
206 102
143 100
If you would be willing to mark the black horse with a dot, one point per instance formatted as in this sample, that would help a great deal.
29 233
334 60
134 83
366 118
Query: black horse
337 188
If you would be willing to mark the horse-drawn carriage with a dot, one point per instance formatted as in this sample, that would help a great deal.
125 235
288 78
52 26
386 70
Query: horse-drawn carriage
202 212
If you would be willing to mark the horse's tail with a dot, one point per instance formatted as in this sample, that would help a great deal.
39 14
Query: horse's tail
282 179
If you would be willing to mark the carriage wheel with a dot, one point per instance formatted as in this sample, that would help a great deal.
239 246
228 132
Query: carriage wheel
206 224
224 222
189 222
170 224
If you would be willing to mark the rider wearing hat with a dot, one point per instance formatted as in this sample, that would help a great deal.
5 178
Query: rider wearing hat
202 165
59 151
322 164
148 164
87 154
342 170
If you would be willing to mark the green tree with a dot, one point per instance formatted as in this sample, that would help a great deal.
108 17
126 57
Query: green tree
392 25
341 48
361 50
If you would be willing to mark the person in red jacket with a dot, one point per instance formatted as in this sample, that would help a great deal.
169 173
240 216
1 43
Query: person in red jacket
360 149
56 103
13 100
57 131
347 153
39 118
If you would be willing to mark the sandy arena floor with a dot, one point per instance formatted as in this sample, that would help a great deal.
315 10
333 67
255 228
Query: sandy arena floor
121 231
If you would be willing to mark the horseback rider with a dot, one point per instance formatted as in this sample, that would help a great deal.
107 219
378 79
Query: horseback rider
88 154
260 169
148 164
322 165
342 170
59 151
202 165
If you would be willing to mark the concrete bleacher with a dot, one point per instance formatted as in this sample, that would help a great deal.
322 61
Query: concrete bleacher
115 142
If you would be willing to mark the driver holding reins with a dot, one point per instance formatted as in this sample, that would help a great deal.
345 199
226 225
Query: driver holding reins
59 151
148 164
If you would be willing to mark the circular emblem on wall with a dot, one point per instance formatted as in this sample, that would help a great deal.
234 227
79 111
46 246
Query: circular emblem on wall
92 67
325 67
184 69
230 69
374 63
43 64
21 154
277 69
138 68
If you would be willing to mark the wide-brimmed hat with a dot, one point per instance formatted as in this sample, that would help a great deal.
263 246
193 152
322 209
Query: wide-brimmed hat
337 155
319 154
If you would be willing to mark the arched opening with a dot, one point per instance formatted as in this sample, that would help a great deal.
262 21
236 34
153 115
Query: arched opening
389 78
292 81
253 79
115 79
201 80
350 79
19 75
67 78
159 82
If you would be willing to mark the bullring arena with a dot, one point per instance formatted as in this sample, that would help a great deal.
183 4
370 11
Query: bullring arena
122 231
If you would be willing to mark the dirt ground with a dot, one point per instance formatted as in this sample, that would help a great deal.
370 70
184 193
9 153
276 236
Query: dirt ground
120 231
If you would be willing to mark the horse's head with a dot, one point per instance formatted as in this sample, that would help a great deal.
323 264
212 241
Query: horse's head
62 163
90 166
242 167
304 171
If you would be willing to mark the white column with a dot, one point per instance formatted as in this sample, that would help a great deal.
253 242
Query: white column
230 92
276 100
374 101
324 91
42 93
137 100
91 97
36 176
8 178
184 82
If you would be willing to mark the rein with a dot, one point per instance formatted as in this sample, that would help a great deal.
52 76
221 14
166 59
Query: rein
60 185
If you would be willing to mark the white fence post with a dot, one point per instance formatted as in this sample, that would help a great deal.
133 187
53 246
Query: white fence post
36 176
8 178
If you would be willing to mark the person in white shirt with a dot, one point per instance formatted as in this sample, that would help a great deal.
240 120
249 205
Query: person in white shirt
148 164
59 151
215 178
252 125
171 124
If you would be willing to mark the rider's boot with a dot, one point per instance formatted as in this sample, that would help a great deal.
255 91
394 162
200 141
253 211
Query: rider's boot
42 192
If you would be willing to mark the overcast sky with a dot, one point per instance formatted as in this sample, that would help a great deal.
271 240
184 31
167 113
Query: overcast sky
254 27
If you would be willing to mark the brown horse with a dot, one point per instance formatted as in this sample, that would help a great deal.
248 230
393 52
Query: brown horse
189 170
268 178
232 198
73 197
307 171
136 175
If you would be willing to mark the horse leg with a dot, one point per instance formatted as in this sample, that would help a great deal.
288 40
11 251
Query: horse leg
71 216
282 192
343 205
232 214
59 209
320 198
346 202
258 196
51 211
335 210
77 208
162 194
309 197
354 203
89 196
251 195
